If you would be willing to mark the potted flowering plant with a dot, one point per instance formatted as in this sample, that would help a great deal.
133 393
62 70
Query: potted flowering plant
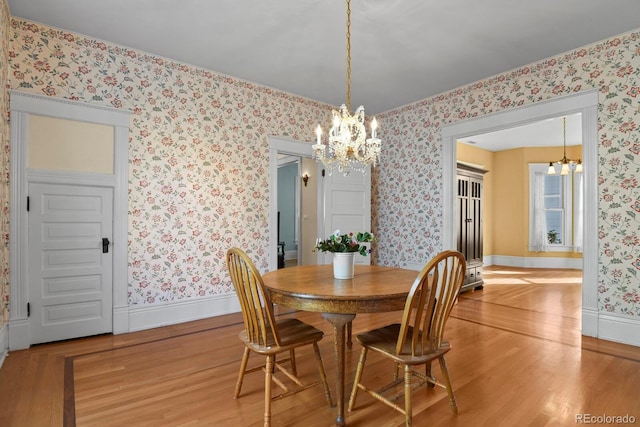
344 247
345 243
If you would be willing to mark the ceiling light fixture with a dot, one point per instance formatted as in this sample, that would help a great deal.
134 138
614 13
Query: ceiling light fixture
347 146
565 164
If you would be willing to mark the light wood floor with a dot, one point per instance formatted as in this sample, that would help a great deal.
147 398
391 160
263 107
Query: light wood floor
518 359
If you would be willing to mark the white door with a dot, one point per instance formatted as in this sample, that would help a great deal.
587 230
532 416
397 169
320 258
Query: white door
69 263
347 207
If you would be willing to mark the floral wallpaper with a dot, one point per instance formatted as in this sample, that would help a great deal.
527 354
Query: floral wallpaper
4 164
199 157
409 205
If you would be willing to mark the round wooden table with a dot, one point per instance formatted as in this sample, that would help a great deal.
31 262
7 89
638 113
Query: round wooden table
373 289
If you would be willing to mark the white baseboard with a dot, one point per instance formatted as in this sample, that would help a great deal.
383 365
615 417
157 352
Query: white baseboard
520 262
619 328
120 320
4 343
19 335
290 255
15 336
589 322
535 262
157 315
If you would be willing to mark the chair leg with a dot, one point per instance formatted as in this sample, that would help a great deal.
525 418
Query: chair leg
292 356
323 375
396 367
447 382
427 371
243 368
356 380
267 390
408 412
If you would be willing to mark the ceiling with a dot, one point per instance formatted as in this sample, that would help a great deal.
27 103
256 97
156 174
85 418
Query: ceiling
402 50
544 133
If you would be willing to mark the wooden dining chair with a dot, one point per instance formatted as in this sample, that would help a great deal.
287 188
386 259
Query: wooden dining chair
268 336
418 340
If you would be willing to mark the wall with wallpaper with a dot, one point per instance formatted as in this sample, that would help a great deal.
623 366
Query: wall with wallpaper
407 189
199 156
4 165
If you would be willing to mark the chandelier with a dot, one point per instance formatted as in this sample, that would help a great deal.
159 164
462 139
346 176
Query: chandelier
565 164
347 146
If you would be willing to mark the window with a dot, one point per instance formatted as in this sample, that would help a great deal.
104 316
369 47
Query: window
555 222
555 206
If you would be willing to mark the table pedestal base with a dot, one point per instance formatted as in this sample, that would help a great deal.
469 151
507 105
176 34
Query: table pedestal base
339 322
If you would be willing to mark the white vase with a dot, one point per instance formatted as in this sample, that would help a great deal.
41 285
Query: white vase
343 265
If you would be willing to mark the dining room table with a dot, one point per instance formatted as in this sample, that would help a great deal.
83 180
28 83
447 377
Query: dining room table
373 289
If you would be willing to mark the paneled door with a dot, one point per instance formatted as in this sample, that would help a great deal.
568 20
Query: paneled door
347 206
69 261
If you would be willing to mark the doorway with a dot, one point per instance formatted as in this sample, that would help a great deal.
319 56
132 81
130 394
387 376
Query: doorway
288 210
282 151
511 156
341 202
585 103
24 107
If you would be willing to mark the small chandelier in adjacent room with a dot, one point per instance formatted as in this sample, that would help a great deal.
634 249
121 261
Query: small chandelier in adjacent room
566 165
347 146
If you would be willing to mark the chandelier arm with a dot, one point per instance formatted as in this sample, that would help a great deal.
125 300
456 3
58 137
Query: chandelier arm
564 161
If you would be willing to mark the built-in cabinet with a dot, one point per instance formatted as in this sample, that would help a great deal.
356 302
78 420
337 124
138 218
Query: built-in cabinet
469 222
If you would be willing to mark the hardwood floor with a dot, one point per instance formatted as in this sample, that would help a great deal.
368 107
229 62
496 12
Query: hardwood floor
518 359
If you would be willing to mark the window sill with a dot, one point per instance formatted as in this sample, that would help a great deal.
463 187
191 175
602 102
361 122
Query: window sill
555 248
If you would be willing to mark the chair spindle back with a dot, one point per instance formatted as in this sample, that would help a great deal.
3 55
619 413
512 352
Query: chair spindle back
429 303
257 309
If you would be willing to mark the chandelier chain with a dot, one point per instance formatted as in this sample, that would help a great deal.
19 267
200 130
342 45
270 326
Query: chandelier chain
347 147
349 55
566 165
564 136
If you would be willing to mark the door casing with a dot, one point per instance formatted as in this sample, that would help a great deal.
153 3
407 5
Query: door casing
22 106
585 103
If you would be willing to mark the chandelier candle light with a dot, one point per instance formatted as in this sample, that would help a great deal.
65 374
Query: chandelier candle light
347 145
565 164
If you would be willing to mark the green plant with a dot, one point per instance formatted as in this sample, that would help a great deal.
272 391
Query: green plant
346 243
554 237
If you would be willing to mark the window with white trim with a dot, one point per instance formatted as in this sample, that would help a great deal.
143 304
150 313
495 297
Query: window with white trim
554 217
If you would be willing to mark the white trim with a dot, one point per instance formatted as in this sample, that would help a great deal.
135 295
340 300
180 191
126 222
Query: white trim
585 103
567 193
535 262
158 315
18 331
68 177
66 109
590 321
619 328
22 105
4 343
279 145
